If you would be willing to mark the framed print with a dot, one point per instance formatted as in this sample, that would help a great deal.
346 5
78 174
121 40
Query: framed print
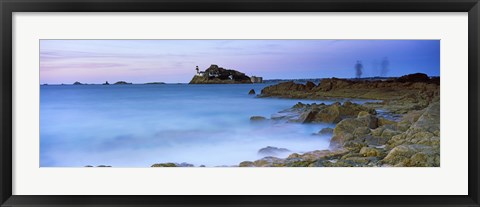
196 103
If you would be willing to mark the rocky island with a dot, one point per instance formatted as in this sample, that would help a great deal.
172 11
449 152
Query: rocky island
219 75
405 134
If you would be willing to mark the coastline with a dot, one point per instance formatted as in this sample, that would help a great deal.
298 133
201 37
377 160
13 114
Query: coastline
362 137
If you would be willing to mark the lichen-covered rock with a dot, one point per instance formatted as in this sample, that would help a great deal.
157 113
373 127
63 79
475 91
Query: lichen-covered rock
269 162
343 132
326 131
413 156
334 113
371 152
246 164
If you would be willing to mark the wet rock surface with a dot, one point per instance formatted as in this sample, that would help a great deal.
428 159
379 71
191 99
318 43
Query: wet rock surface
403 130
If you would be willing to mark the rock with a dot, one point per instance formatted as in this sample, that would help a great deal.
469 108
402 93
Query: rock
268 162
343 132
251 92
202 166
329 114
309 85
104 166
371 152
121 83
308 117
77 83
219 75
299 105
413 156
246 164
288 89
383 121
272 151
168 164
370 120
363 114
88 166
257 118
424 90
416 77
375 140
184 164
326 131
333 113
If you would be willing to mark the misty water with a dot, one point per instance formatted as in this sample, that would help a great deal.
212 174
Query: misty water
139 125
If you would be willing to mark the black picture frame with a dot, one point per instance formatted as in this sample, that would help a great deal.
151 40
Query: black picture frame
7 7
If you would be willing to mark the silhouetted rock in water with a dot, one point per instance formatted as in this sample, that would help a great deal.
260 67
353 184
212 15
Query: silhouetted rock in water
184 164
251 92
106 83
168 164
153 83
272 151
77 83
257 118
219 75
171 164
88 166
122 83
104 166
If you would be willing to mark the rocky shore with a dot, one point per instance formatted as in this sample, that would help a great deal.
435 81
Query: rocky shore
362 135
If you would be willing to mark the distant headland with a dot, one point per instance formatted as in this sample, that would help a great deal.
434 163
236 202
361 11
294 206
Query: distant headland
219 75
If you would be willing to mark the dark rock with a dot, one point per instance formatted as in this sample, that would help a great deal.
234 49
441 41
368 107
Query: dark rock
272 151
77 83
219 75
168 164
184 164
122 83
257 118
251 92
309 85
416 77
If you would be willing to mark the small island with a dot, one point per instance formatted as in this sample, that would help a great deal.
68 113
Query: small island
122 83
219 75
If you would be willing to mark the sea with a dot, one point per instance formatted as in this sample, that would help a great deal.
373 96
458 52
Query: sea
139 125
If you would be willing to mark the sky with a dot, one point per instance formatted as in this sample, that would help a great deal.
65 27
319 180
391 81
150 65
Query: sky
174 61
